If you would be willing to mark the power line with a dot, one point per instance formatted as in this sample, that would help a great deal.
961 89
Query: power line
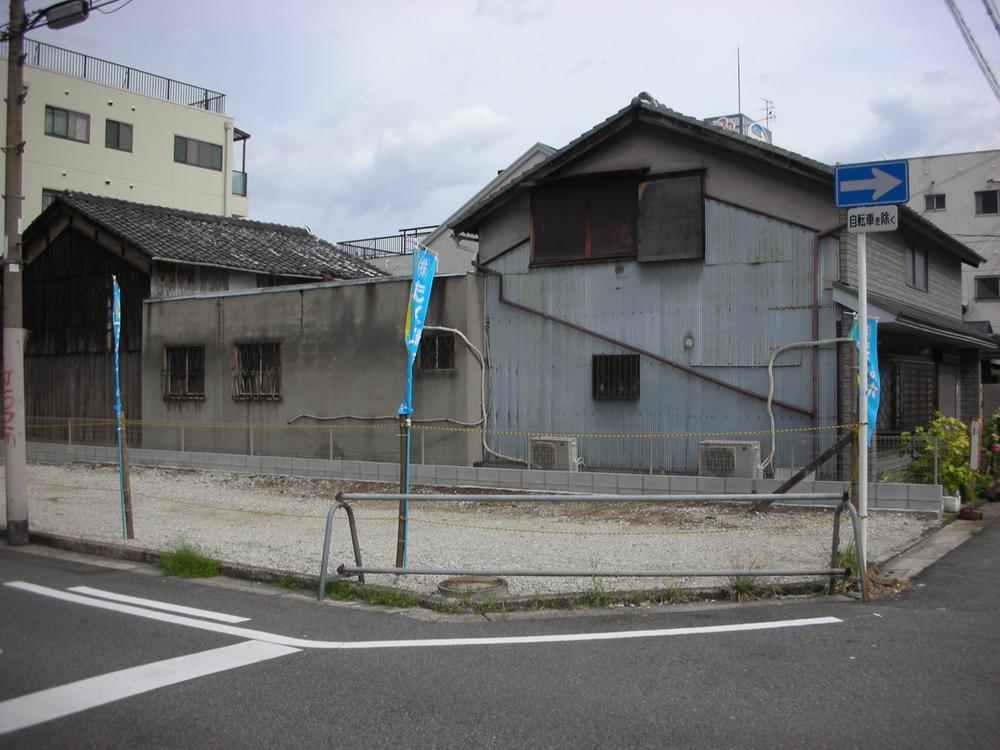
977 53
991 11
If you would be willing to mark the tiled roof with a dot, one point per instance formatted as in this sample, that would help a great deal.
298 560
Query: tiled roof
187 237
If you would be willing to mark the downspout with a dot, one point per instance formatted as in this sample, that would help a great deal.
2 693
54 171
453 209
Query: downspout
227 174
815 326
637 350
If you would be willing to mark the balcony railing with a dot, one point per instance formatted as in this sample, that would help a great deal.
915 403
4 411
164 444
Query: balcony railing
94 69
239 183
392 244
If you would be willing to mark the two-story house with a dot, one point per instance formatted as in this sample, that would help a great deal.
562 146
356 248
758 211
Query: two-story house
639 280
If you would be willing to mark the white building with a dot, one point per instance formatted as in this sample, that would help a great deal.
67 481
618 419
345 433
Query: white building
960 193
102 128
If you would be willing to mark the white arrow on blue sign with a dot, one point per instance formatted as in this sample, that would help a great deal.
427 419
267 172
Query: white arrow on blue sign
877 183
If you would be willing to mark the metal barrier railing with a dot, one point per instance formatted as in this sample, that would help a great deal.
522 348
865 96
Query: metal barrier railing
358 570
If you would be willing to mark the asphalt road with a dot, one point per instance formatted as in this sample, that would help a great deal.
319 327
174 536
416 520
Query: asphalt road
919 671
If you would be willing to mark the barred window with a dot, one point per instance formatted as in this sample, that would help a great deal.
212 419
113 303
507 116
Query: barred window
257 372
437 351
615 377
183 372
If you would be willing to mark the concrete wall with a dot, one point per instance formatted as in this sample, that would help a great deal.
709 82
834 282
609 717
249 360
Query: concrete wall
342 356
958 177
919 498
147 174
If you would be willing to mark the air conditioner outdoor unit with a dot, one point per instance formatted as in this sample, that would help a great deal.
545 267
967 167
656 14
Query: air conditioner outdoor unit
729 458
554 454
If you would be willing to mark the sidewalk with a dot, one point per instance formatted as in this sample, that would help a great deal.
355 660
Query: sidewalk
906 565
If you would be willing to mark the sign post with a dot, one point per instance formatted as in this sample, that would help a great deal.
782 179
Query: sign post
871 191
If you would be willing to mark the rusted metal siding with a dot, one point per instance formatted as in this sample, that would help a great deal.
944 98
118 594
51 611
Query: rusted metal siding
752 293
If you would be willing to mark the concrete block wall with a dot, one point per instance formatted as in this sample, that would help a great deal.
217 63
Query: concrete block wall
881 496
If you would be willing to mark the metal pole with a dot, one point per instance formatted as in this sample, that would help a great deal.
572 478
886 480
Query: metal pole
15 455
863 398
128 530
404 434
331 443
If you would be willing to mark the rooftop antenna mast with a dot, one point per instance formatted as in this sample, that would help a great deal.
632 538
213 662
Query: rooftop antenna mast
769 113
739 92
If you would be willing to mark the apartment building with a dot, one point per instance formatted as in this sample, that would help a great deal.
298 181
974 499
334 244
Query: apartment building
960 193
106 129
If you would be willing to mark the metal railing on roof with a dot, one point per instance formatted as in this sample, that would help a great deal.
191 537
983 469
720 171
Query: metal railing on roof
107 73
389 245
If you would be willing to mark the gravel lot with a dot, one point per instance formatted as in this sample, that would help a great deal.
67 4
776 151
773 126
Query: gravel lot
278 522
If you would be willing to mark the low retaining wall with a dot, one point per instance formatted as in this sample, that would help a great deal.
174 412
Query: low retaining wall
922 498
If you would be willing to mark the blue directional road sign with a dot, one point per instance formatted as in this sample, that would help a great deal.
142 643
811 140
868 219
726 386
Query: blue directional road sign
876 183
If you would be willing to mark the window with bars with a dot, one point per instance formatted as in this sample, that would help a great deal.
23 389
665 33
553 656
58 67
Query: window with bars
437 351
257 372
615 377
183 372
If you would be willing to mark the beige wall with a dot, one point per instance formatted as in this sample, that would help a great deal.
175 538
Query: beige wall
146 175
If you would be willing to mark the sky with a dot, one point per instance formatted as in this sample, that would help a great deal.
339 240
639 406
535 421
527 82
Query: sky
370 116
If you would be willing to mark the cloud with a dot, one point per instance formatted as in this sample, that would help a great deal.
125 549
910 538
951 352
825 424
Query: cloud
343 177
513 12
912 122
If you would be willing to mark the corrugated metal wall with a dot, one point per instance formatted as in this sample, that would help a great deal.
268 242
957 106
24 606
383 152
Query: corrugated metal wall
752 293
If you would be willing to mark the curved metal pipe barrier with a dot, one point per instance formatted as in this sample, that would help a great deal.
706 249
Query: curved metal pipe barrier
326 544
856 524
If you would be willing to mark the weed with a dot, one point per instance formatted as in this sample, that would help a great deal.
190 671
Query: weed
673 595
345 591
635 598
846 557
485 606
975 530
597 595
287 583
743 588
187 562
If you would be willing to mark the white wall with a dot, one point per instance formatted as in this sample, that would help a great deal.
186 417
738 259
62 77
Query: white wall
147 174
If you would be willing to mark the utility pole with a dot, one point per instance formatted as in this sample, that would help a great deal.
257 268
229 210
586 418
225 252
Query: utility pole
15 456
56 16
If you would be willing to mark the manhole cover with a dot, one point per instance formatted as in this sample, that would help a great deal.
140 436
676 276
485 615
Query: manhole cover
476 588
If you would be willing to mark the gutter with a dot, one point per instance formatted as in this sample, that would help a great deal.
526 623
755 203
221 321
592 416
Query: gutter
637 350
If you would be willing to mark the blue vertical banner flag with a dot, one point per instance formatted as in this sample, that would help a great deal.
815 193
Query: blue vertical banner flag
874 389
424 265
116 330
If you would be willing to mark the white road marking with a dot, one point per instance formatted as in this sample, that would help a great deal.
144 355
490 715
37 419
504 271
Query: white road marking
303 643
153 604
45 705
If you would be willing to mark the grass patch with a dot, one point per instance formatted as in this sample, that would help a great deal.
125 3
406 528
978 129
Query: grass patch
287 583
187 562
345 591
847 557
597 595
743 588
673 595
975 530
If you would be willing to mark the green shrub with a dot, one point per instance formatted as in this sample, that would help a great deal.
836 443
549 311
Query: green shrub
187 562
949 437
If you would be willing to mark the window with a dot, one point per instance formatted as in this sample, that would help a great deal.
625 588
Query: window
916 268
618 215
934 202
197 153
183 372
118 135
988 287
587 219
615 377
48 196
62 123
437 351
988 202
257 372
